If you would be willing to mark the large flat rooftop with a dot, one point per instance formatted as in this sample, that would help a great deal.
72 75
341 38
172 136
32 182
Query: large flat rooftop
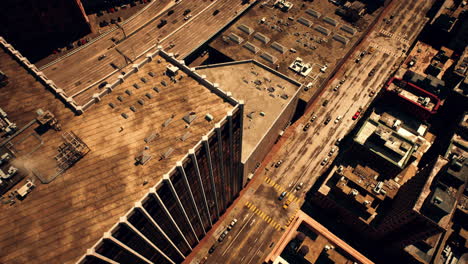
309 30
265 92
324 246
58 221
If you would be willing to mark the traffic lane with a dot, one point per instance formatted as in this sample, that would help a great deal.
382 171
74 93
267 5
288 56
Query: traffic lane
203 27
338 106
243 226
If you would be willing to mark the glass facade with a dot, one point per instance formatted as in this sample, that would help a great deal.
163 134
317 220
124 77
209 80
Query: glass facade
171 203
197 191
185 206
126 235
183 192
162 219
112 250
152 233
208 184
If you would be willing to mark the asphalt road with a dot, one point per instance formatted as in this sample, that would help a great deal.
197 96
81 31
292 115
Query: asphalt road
260 213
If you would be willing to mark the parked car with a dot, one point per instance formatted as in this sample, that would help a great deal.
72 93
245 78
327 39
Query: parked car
282 195
356 115
232 224
212 249
215 12
223 236
306 127
313 118
336 87
278 163
186 12
338 118
299 186
324 161
371 73
338 141
286 204
327 120
325 103
332 150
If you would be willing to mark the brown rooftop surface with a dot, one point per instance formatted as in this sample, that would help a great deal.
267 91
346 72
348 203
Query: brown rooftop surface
301 221
57 222
423 55
134 38
239 79
291 34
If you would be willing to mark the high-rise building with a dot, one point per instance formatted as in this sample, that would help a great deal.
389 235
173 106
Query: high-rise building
139 174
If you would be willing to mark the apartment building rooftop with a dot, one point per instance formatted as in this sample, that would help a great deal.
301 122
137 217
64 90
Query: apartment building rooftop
266 93
305 235
386 137
135 134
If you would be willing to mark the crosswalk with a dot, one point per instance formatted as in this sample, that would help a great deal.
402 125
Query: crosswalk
291 218
386 50
280 189
391 35
263 215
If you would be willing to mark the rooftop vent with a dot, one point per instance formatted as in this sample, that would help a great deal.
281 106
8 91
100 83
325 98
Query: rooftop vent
128 92
143 158
209 117
151 137
143 79
304 21
148 95
185 136
151 74
279 47
136 86
313 13
156 89
190 117
330 21
246 29
262 38
167 153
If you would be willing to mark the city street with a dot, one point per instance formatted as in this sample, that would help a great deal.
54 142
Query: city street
261 216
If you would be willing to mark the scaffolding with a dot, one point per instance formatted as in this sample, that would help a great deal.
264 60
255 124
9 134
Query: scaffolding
71 150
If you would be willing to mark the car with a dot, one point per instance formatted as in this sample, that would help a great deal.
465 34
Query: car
371 73
278 163
232 224
286 204
338 118
170 12
306 127
215 12
338 141
372 93
282 195
324 161
327 121
313 118
223 236
101 57
212 249
336 87
162 23
332 150
356 115
187 17
357 60
186 12
342 81
325 103
299 186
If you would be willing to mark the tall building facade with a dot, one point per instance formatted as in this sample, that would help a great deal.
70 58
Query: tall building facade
176 214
